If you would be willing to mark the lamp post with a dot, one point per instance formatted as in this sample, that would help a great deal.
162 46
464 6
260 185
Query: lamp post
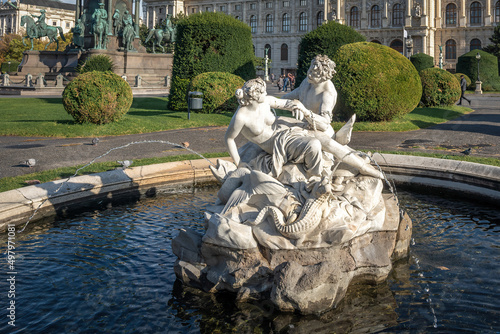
9 62
266 75
478 82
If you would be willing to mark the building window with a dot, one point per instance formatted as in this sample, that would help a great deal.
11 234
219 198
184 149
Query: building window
286 3
284 52
238 18
269 23
54 23
497 12
208 9
268 47
321 2
375 17
253 23
303 2
303 21
475 13
451 49
397 45
160 10
253 5
269 5
354 17
67 24
237 7
375 41
222 8
397 15
286 23
319 19
451 15
475 44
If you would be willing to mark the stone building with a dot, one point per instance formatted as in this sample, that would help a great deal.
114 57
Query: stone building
409 26
58 14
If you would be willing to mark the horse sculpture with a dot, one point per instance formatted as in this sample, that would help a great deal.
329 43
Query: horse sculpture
159 35
49 31
99 29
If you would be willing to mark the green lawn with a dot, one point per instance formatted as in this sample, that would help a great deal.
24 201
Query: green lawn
47 118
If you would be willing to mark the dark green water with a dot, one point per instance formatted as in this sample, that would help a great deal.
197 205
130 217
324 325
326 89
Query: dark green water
111 271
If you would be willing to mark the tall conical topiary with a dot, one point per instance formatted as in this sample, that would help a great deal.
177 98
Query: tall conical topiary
324 40
209 42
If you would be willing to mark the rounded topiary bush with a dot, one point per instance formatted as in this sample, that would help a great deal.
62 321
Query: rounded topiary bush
421 61
439 87
97 97
101 63
374 82
210 42
467 79
324 40
218 91
488 69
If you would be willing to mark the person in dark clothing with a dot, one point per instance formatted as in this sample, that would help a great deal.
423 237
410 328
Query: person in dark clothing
463 87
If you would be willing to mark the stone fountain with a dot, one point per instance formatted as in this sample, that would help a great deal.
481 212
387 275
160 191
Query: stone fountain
301 215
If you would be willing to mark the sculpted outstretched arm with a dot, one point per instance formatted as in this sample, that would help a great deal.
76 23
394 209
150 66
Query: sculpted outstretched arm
232 132
295 106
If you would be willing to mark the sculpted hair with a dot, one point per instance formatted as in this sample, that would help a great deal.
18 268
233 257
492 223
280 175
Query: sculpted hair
251 90
327 66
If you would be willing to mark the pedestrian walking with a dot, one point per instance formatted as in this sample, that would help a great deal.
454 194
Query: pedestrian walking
280 83
463 87
285 83
272 77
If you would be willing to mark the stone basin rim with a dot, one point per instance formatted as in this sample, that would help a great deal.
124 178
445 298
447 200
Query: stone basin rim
460 178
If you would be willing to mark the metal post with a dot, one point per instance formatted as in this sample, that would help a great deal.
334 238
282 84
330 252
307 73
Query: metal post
478 57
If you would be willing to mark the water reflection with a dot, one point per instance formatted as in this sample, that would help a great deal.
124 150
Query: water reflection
111 270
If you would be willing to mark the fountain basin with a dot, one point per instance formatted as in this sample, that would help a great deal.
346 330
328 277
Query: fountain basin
461 179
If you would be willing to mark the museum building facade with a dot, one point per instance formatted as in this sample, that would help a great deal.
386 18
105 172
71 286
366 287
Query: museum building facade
409 26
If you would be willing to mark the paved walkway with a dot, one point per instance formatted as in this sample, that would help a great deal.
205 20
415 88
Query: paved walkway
479 130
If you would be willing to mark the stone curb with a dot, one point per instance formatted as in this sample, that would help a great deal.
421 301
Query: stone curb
458 178
470 180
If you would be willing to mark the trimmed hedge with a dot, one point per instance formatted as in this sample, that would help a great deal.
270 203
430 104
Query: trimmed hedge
439 87
97 97
488 69
375 82
324 40
421 61
5 67
210 42
467 79
218 91
101 63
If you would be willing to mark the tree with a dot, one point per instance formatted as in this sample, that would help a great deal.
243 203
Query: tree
495 39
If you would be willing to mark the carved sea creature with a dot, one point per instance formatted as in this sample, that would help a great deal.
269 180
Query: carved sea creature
310 216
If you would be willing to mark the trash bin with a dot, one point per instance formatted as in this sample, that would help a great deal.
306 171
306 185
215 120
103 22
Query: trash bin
195 100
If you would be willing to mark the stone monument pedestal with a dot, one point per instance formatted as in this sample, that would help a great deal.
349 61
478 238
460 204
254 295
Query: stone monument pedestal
479 89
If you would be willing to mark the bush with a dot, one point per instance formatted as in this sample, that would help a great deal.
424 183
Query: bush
488 69
97 97
439 87
421 61
100 63
218 91
5 68
324 40
375 82
467 79
210 42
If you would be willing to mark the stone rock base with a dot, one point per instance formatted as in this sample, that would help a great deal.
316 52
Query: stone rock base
306 280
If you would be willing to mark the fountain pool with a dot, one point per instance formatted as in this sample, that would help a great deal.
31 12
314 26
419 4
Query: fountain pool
111 270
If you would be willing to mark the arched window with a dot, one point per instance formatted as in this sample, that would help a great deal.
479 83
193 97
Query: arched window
354 17
253 23
375 41
269 23
285 25
321 2
475 44
319 18
238 18
451 49
397 45
268 47
475 13
497 12
397 15
451 15
284 52
303 21
375 17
